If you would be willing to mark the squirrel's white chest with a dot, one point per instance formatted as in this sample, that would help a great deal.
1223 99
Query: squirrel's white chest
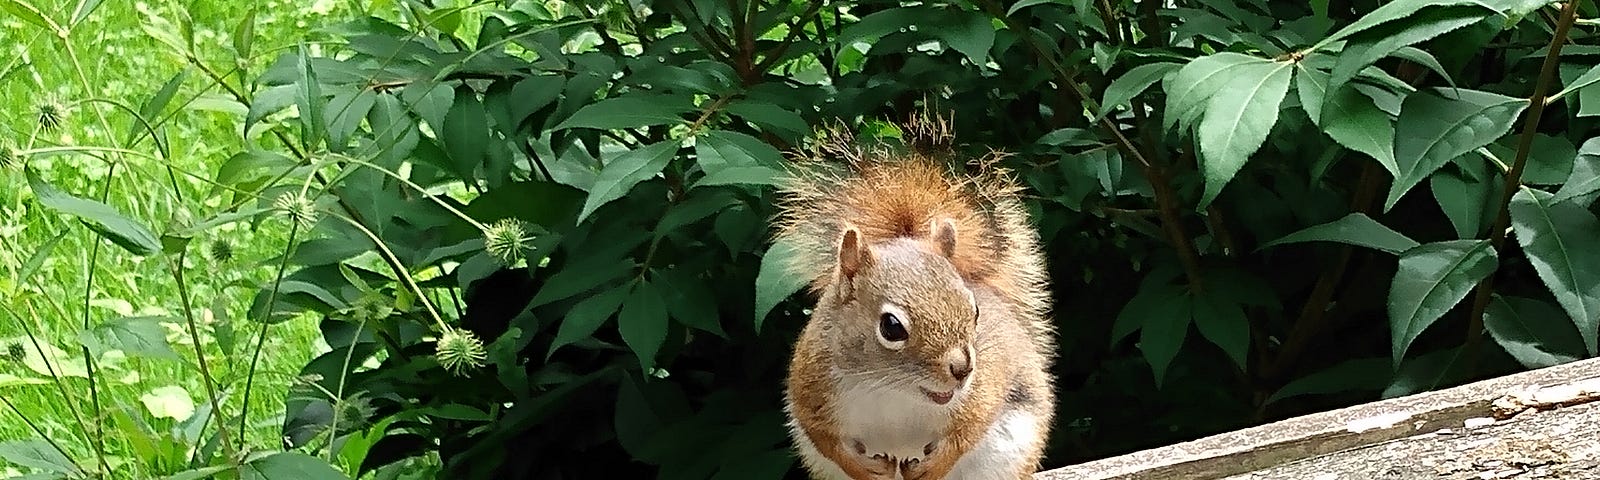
889 421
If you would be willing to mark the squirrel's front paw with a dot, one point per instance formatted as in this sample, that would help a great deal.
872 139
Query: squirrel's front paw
909 469
880 466
918 469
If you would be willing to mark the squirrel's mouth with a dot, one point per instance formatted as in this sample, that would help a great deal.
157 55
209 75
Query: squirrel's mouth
940 398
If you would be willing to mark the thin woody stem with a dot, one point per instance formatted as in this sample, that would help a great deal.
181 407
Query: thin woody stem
1530 126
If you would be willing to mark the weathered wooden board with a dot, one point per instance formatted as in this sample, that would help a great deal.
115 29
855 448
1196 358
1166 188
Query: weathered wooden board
1558 444
1547 418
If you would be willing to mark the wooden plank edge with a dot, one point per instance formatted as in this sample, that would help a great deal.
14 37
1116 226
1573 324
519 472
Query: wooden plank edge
1322 433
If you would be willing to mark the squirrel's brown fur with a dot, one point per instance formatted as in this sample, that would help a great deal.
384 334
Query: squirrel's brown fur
903 235
887 194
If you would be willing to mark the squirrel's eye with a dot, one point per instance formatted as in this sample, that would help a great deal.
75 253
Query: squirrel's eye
891 328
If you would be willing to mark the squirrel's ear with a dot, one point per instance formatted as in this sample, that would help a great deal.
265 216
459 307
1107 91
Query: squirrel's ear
944 236
852 254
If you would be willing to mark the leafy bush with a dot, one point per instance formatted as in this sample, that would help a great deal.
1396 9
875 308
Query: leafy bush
535 233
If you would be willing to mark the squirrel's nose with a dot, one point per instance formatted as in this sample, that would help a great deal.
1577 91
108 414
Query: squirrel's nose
962 367
961 371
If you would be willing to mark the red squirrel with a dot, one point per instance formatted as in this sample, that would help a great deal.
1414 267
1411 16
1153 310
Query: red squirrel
927 354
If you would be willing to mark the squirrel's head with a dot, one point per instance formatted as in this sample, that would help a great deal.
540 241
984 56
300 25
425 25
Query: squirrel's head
905 316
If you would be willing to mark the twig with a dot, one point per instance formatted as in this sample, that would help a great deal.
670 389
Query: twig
199 353
794 31
1530 126
1313 315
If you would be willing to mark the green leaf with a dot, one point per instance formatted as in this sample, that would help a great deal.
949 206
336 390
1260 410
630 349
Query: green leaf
773 282
1550 157
694 304
34 453
1016 7
741 175
1311 85
465 134
1382 42
532 94
431 101
394 133
1422 57
696 205
1354 120
1432 279
770 117
718 150
1238 118
344 114
198 473
268 101
643 323
586 317
631 111
579 276
152 108
626 170
1589 101
1070 137
1362 374
1536 333
1224 324
244 34
1585 177
1190 88
31 14
635 418
290 466
1426 372
1131 84
970 32
1396 10
135 336
1466 201
1434 129
308 97
104 220
1562 241
1355 229
9 380
1163 332
1588 78
36 260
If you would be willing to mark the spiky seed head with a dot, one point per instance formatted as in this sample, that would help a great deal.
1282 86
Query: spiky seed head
371 307
15 352
298 208
10 157
357 410
506 240
459 351
52 113
220 250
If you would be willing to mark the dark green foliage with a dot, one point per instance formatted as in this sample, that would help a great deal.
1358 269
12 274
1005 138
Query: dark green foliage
1253 175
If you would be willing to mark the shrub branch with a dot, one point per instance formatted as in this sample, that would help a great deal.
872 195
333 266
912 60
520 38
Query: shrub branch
1530 126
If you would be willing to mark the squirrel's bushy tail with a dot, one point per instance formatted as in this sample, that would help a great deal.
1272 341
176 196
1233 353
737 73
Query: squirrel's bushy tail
887 195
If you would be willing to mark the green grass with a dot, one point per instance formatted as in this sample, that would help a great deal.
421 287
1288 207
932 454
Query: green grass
111 56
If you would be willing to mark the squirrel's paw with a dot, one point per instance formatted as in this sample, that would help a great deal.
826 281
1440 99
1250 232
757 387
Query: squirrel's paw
916 469
881 466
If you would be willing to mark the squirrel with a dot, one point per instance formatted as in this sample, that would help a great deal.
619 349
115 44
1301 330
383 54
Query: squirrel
928 351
